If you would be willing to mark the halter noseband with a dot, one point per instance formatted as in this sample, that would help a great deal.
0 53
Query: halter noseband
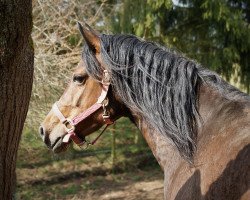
71 123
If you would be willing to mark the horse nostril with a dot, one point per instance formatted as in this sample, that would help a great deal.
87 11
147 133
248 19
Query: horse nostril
44 136
41 131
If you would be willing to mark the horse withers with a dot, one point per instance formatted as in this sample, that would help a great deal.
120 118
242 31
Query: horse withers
196 124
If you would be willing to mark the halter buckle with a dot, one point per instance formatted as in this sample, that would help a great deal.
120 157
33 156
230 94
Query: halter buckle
106 113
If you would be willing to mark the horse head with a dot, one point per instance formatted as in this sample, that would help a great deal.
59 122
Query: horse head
85 106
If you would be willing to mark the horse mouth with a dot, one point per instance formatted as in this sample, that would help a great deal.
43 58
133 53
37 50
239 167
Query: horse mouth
59 146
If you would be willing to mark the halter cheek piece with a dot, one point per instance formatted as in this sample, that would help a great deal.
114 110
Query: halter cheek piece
70 124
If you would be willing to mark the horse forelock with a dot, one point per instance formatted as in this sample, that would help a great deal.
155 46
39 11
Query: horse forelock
157 83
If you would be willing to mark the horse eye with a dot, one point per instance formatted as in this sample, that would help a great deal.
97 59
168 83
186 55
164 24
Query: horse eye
79 79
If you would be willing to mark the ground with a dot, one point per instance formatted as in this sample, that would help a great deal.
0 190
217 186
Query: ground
86 175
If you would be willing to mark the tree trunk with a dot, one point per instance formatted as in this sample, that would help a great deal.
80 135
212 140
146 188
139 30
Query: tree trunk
16 75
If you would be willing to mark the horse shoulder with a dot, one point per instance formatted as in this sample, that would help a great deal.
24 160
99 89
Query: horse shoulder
224 158
222 163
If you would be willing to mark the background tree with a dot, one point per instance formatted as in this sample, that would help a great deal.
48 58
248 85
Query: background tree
216 33
16 65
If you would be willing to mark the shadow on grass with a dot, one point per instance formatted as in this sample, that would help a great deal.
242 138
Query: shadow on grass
74 154
146 161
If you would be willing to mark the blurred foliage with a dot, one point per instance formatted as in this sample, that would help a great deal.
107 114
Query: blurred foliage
214 32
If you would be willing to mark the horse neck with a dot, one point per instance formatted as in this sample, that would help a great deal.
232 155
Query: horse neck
160 146
211 109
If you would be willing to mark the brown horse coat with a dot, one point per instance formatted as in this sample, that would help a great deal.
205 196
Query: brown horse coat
221 167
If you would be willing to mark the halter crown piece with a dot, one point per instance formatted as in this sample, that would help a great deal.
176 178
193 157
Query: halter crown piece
70 124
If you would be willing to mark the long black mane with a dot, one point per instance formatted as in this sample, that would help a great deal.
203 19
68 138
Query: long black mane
157 83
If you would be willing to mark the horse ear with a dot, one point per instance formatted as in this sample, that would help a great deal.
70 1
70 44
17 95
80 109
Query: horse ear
90 36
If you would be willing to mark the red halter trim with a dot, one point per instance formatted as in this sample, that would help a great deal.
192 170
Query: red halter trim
70 124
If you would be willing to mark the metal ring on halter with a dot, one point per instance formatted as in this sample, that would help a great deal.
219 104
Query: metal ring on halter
106 115
69 122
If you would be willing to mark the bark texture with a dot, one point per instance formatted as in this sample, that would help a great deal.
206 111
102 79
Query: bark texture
16 75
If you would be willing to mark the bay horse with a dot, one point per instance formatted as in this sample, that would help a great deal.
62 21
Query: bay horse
196 124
